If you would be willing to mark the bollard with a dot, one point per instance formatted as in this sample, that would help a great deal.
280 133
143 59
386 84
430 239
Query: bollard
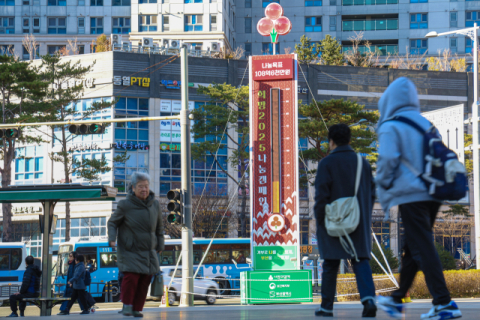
110 296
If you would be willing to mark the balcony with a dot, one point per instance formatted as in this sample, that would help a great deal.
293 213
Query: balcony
383 50
370 25
367 2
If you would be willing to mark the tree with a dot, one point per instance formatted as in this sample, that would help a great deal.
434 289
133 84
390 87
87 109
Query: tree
227 111
307 52
446 259
334 111
66 88
453 227
446 62
391 259
22 92
331 51
102 44
356 56
468 155
30 44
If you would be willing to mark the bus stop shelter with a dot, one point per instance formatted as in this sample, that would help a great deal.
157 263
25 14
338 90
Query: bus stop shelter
49 195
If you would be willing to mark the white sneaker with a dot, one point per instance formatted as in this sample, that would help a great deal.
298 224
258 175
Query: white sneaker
394 310
439 312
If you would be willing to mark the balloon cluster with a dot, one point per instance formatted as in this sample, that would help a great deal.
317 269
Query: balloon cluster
274 23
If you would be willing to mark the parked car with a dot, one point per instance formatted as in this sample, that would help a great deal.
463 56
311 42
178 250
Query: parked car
203 289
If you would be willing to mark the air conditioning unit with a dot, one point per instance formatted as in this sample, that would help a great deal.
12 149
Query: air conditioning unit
174 44
116 39
126 45
165 43
187 45
147 42
216 46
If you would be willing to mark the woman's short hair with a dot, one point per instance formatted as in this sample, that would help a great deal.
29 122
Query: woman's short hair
138 177
80 258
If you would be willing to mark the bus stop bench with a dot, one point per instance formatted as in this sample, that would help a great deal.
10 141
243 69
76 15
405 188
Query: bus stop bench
49 303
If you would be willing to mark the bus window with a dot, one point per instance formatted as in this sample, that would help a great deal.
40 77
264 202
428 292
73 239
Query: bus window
178 273
222 256
108 260
197 256
240 256
90 255
166 258
10 259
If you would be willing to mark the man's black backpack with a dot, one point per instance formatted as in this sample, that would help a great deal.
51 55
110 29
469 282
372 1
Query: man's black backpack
88 278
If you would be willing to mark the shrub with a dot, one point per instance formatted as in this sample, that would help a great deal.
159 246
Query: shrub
392 260
448 262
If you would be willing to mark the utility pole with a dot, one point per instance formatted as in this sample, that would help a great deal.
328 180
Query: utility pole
476 172
186 299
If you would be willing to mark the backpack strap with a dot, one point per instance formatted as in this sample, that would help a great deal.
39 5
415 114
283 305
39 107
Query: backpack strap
409 122
359 172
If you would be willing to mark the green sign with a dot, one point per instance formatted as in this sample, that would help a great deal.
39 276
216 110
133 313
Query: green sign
275 258
265 287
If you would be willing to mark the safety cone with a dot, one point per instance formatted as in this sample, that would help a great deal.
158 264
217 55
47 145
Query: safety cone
164 303
407 298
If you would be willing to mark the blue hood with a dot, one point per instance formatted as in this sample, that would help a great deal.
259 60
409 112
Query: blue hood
401 95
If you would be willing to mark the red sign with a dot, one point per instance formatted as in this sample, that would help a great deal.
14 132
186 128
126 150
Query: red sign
274 68
274 145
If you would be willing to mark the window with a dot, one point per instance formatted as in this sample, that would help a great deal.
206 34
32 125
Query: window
81 49
471 17
25 2
370 25
10 259
418 46
304 231
57 26
147 23
418 21
333 2
248 25
166 23
26 53
418 1
265 3
7 25
29 165
96 3
121 3
453 45
108 260
382 232
267 48
453 19
81 25
36 25
468 46
96 25
193 1
7 49
147 1
213 22
121 25
367 2
26 25
53 49
333 23
81 2
60 3
248 49
313 3
313 24
194 22
248 3
82 227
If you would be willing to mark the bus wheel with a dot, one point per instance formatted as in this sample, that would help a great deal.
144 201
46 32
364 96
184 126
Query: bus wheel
115 292
223 286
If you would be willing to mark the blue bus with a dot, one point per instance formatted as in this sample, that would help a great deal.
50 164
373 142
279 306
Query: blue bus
12 268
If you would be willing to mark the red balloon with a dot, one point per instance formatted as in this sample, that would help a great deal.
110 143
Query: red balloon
265 26
274 11
283 25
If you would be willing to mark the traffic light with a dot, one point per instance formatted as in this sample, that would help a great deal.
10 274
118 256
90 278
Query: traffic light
93 128
174 207
9 133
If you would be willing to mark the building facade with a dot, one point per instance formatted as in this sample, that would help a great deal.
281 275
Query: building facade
141 85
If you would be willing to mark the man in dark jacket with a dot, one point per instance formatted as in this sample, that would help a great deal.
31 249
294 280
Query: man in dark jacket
30 287
336 179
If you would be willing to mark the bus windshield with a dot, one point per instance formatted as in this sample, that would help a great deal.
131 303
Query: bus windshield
10 258
62 261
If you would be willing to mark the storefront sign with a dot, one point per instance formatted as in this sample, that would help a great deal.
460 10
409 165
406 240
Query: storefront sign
28 209
302 90
86 146
174 106
170 147
130 146
130 81
274 170
87 83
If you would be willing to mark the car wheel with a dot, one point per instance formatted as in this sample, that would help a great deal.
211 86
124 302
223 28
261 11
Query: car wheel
211 296
223 286
171 298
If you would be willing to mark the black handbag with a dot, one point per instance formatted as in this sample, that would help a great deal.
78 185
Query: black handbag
156 289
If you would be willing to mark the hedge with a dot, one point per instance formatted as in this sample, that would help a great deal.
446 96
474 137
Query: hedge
461 283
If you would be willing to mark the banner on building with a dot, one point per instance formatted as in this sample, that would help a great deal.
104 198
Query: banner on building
274 181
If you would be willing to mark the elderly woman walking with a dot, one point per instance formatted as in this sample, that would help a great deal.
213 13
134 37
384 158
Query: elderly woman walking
137 227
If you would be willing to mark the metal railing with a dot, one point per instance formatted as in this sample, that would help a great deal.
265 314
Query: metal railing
367 2
166 51
382 49
370 25
108 290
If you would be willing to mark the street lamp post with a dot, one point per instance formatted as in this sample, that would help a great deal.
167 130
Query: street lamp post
472 33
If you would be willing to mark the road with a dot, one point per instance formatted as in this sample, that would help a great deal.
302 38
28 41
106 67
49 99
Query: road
343 310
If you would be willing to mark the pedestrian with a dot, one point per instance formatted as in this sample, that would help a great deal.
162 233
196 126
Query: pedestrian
400 152
70 271
77 282
336 177
137 227
30 287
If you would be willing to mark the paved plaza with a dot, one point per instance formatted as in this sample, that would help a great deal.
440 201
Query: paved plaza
345 310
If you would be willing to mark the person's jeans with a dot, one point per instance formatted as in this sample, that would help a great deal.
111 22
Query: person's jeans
19 297
135 287
420 253
363 274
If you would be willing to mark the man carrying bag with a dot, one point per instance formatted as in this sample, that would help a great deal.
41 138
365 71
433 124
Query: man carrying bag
344 198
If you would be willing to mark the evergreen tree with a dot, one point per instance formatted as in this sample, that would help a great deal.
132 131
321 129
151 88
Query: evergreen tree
446 259
307 52
228 109
22 92
66 79
102 44
331 52
391 259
